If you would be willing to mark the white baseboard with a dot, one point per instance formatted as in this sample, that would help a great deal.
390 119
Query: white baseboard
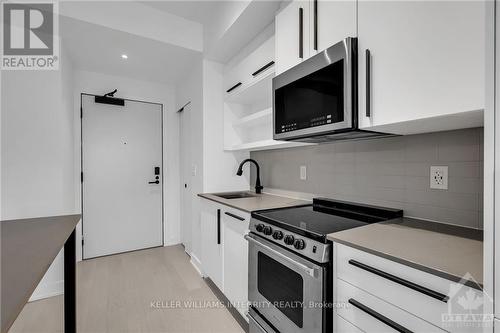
48 290
196 264
171 241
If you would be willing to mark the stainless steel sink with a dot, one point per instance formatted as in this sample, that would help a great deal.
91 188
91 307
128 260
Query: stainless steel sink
236 195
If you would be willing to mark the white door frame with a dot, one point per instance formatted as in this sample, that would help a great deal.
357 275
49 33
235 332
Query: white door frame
186 177
82 171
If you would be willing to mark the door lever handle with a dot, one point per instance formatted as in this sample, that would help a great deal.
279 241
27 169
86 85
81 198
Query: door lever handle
155 182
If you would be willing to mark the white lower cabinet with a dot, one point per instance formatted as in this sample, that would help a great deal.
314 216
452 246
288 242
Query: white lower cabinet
371 314
375 294
224 248
236 259
211 242
343 326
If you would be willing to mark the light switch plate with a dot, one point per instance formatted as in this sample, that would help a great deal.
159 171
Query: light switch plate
303 172
439 177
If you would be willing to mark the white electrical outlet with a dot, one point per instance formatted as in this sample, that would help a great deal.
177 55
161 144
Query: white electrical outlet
303 172
439 177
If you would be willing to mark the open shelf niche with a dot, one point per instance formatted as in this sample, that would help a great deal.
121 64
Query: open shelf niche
248 117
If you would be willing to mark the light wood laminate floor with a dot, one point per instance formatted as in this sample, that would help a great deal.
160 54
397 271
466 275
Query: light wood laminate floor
115 293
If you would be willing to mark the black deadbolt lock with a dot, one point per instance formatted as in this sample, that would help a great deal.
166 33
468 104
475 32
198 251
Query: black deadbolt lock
157 170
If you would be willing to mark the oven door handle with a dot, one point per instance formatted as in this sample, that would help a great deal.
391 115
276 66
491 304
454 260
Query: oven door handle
311 271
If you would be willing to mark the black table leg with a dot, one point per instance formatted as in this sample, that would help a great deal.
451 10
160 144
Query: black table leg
70 284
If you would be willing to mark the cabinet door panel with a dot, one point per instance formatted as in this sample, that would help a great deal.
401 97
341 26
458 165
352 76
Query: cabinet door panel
336 20
236 261
343 326
211 251
287 35
427 59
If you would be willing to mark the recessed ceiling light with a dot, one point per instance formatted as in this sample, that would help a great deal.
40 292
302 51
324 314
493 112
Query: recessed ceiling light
124 56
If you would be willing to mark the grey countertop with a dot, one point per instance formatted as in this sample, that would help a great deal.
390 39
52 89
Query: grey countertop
259 202
28 247
440 249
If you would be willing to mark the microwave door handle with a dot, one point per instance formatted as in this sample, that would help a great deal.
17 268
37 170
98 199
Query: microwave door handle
315 9
301 32
368 82
308 270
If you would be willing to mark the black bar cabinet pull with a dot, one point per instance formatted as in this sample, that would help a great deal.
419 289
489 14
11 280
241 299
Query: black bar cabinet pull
403 282
379 316
315 9
263 68
233 87
235 216
301 32
368 83
218 226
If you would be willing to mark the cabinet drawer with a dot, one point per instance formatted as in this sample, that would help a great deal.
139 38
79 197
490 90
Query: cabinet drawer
237 216
343 326
422 294
371 314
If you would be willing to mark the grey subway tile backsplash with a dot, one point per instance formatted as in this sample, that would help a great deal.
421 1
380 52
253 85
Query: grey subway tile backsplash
392 172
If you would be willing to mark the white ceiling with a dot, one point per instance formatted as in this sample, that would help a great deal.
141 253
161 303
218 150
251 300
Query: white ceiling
96 48
198 11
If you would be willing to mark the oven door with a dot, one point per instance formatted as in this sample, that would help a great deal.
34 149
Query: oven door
318 95
284 288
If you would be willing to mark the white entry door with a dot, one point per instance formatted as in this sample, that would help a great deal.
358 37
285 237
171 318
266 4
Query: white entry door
185 170
122 176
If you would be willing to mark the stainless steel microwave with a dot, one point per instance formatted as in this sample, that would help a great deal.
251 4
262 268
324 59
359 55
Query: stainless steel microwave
316 100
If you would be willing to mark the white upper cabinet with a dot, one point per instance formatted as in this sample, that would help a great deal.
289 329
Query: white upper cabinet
304 28
427 61
250 70
331 22
292 35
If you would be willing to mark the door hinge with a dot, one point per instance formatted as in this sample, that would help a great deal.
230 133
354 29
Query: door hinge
81 112
83 241
81 177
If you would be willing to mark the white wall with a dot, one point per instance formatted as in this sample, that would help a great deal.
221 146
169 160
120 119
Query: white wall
219 166
99 84
216 169
191 89
37 158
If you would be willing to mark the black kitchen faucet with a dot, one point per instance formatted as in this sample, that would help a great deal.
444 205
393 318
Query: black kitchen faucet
258 187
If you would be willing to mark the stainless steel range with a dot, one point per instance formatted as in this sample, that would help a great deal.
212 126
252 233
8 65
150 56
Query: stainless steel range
290 263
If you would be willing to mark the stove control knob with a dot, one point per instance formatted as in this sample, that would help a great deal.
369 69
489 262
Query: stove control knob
278 235
260 227
268 230
299 244
289 240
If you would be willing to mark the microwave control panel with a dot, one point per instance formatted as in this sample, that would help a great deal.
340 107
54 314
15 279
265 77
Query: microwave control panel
318 121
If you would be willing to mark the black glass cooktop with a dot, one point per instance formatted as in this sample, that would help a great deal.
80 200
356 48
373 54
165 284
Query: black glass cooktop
326 216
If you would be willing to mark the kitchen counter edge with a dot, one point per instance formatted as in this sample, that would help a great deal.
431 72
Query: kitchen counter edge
284 201
446 229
